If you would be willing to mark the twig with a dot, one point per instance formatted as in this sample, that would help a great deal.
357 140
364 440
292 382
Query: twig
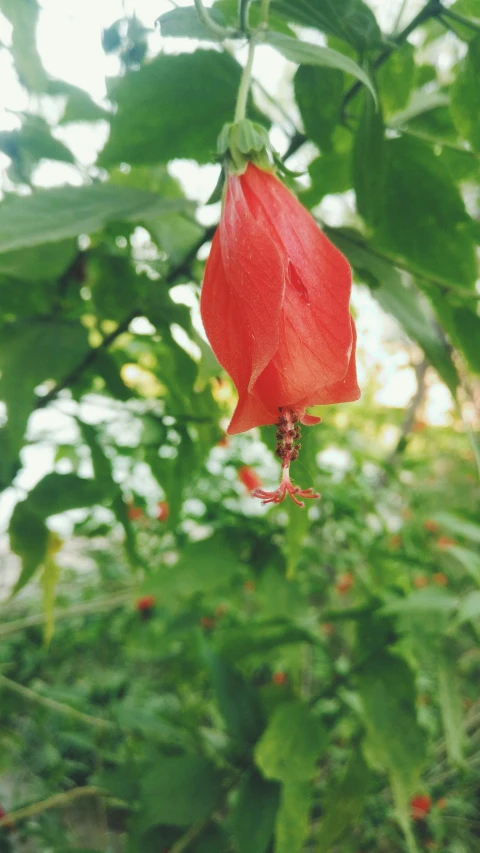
409 420
53 705
50 803
216 29
189 836
66 612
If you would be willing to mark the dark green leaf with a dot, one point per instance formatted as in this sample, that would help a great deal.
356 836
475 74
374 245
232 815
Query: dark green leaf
350 20
23 14
180 790
465 96
345 803
29 539
318 92
57 493
291 744
424 218
450 705
79 105
40 263
184 102
304 53
237 700
469 609
459 526
50 215
252 818
369 163
330 173
239 643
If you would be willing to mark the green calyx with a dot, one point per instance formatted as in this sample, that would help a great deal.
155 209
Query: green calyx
244 142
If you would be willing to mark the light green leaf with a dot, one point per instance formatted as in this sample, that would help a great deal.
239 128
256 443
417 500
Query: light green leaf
330 173
465 96
23 15
252 818
50 215
369 163
49 581
304 53
344 804
175 116
451 705
184 22
79 105
237 700
291 744
318 92
40 263
402 302
395 79
469 560
421 102
429 600
460 526
469 609
180 790
424 218
238 643
291 826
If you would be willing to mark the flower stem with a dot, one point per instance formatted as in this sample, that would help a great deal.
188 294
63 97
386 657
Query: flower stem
242 97
216 29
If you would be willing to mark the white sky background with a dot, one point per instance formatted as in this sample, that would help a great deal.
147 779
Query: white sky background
69 41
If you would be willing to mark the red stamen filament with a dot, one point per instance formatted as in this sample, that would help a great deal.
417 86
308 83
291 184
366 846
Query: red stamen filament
288 437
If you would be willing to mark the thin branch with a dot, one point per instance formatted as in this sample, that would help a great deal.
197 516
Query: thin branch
216 29
53 705
189 836
410 415
92 355
58 800
99 604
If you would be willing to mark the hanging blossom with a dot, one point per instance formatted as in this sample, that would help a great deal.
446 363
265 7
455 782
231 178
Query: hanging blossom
275 307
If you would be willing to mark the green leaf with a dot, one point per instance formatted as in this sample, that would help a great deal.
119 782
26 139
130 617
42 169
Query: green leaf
469 560
50 215
23 15
330 173
40 263
184 22
395 79
29 539
57 493
319 92
49 581
369 163
350 20
252 818
79 105
469 609
203 567
420 104
459 526
291 825
428 600
345 803
451 705
424 217
176 115
394 742
238 643
179 790
463 327
291 744
237 699
403 302
304 53
465 96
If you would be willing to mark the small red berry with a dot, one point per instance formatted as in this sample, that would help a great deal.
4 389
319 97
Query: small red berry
163 511
420 806
279 678
430 525
344 583
249 586
327 628
146 602
249 478
134 512
445 542
420 581
440 579
207 623
441 803
395 541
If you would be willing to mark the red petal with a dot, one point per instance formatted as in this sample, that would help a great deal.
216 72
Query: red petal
316 337
309 420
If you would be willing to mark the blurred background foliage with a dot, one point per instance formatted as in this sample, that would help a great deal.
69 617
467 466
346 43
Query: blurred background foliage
180 669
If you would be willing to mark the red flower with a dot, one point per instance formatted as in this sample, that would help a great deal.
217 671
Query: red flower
134 512
420 806
344 583
279 678
146 602
275 309
163 511
249 478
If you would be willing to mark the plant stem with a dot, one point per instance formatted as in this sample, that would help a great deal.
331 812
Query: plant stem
52 705
242 97
465 22
243 8
99 604
264 12
216 29
50 803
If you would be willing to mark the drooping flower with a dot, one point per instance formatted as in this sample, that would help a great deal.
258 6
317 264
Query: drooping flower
275 307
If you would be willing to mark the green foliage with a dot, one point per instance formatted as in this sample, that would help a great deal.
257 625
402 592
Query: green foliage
183 669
